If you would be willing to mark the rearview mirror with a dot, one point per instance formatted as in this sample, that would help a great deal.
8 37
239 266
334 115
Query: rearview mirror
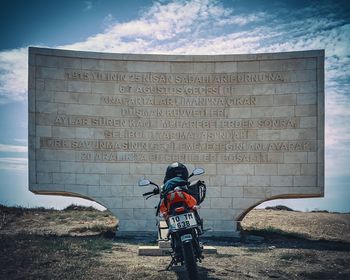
144 182
198 171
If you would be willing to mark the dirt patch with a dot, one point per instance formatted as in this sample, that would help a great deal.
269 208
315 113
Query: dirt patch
27 251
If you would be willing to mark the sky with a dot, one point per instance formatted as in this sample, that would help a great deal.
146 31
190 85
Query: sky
173 27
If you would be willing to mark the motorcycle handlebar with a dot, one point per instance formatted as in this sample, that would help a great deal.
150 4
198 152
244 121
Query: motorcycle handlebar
154 192
148 193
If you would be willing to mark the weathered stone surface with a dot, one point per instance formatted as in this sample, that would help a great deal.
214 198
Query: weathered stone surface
99 122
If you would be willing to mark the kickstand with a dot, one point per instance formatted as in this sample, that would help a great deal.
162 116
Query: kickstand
172 262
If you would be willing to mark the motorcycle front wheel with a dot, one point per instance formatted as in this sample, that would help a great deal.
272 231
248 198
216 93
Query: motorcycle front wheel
190 261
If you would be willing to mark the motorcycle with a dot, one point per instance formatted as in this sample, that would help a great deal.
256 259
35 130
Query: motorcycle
178 205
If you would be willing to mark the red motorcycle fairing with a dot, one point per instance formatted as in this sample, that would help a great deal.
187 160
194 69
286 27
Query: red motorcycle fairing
176 197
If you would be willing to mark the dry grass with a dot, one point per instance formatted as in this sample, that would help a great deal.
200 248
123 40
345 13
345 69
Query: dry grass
38 244
69 222
314 225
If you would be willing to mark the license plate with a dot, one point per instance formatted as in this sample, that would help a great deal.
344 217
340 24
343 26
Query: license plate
182 221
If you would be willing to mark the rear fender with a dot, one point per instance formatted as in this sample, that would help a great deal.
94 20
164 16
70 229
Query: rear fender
186 238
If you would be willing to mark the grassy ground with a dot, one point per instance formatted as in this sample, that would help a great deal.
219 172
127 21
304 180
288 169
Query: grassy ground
31 253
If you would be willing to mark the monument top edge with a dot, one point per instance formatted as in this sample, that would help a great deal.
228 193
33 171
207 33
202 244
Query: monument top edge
175 58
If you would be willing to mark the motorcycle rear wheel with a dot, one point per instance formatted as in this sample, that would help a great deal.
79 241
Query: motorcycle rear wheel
190 261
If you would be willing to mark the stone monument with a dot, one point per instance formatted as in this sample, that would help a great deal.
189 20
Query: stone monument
99 122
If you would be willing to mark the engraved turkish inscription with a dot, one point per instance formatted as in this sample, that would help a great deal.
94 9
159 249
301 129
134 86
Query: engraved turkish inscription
192 117
164 117
164 78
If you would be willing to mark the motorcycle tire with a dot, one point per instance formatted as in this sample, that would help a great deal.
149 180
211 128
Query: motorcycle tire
190 261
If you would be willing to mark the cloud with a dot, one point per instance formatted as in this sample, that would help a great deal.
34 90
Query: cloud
88 6
13 148
13 75
21 140
242 19
14 163
158 24
108 21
